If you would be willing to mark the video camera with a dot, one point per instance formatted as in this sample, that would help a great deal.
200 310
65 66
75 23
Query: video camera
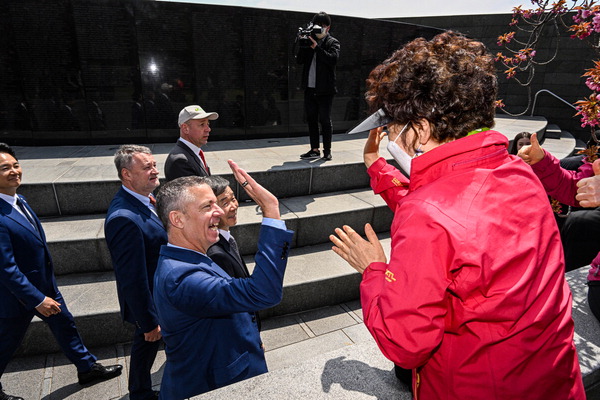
304 33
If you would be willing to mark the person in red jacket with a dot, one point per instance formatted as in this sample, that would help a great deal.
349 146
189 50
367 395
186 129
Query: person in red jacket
473 298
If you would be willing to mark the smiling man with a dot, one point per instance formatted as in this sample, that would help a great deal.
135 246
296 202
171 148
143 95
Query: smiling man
27 282
187 158
205 315
134 234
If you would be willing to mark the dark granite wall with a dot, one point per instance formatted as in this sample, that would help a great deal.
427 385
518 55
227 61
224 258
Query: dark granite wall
110 71
562 76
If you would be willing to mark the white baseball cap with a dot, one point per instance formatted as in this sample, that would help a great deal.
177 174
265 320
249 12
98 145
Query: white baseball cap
195 112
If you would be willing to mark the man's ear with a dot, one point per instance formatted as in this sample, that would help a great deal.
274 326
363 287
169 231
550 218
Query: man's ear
176 219
185 128
126 174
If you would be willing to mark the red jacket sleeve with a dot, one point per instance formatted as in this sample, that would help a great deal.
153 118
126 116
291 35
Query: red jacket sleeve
388 182
558 182
405 302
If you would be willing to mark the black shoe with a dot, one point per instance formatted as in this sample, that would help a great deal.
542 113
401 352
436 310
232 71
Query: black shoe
99 373
4 396
311 154
326 157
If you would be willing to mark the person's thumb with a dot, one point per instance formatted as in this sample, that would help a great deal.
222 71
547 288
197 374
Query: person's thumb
535 144
596 167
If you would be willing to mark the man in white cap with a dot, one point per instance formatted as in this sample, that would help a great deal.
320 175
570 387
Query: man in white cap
187 158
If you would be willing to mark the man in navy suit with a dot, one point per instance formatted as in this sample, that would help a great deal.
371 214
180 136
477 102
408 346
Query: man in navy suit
134 235
186 157
204 313
225 253
27 283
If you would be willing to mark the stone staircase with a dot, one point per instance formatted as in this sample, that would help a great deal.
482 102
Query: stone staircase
70 187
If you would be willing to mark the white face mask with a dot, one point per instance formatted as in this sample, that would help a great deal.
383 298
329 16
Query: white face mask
321 35
401 156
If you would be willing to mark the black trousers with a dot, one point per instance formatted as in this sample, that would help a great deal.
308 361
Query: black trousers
594 298
318 111
579 233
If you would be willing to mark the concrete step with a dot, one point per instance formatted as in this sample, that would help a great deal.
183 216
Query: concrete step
81 180
553 131
315 277
77 243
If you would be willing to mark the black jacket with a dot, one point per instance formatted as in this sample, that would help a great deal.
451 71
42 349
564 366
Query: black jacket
223 255
181 161
328 52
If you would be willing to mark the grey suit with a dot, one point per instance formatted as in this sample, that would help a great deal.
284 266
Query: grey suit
181 161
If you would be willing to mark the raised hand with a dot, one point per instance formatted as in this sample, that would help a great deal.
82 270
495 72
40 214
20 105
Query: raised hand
358 252
267 202
371 150
533 153
588 192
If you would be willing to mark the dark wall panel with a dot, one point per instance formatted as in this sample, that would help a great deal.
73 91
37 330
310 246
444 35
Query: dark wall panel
116 71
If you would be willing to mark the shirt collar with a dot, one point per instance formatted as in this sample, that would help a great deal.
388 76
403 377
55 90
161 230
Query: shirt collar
226 234
195 149
144 199
12 200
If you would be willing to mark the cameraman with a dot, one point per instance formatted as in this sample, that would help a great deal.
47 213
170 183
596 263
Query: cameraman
318 80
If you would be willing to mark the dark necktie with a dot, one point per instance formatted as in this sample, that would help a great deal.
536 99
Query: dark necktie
201 154
235 250
26 213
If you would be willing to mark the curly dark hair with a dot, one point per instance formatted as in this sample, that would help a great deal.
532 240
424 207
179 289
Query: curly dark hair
449 80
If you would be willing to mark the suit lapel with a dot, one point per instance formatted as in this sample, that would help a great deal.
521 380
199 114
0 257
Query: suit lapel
17 217
141 207
241 266
192 156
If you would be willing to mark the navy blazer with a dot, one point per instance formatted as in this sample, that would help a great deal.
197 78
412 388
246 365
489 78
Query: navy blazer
211 340
134 235
26 270
182 161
